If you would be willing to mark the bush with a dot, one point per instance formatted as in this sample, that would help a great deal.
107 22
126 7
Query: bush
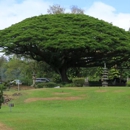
26 81
3 86
78 82
6 85
56 78
39 85
69 85
46 85
128 83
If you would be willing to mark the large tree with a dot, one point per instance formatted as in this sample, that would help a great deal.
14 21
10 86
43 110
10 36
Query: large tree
66 41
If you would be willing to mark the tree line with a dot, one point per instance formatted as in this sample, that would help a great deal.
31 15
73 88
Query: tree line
23 69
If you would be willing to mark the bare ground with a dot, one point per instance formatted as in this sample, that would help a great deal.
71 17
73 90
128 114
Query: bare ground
4 127
53 98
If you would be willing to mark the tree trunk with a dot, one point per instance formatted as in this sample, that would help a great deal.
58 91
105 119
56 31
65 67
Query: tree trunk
63 74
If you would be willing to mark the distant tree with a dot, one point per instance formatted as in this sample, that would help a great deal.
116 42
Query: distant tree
76 10
56 9
3 61
13 69
67 41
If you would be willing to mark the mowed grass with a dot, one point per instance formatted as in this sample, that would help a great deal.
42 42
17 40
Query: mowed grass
86 108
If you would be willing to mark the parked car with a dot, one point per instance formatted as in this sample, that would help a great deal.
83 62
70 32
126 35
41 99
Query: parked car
40 80
16 81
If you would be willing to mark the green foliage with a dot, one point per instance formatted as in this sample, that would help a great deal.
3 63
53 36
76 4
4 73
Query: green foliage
56 78
113 73
26 80
66 41
78 82
13 69
40 85
128 83
1 95
69 85
94 73
46 85
3 61
22 68
74 72
4 85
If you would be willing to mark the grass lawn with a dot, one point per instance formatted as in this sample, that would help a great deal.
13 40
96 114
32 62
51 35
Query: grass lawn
86 108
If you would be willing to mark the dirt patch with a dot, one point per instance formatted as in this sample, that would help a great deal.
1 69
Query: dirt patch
4 127
118 91
60 93
17 94
101 91
53 98
83 95
7 98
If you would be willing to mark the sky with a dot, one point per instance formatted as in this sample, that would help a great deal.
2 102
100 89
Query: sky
116 12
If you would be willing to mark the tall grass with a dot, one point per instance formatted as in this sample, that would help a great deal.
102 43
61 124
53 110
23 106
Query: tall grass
93 109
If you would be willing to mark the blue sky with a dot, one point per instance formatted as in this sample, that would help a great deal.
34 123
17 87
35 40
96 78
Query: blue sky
120 5
115 11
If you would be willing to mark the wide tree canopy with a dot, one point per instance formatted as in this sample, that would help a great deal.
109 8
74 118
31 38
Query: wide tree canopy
66 41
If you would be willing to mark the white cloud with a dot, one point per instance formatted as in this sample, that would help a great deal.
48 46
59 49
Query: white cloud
109 14
12 12
122 20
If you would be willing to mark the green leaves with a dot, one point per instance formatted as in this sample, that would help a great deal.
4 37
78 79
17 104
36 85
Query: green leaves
61 40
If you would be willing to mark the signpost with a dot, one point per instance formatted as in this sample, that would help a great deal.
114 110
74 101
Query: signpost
10 106
18 86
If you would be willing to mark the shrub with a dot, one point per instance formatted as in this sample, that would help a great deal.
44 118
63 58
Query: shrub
50 85
69 85
26 81
78 82
56 78
39 85
4 86
46 85
128 83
